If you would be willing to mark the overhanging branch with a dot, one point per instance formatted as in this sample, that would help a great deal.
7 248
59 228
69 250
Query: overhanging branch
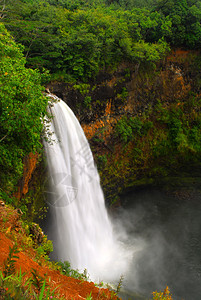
3 3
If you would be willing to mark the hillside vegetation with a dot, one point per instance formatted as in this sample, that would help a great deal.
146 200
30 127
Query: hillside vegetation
77 39
22 110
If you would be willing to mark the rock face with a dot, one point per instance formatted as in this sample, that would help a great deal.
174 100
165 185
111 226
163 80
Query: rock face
36 233
30 163
130 91
30 190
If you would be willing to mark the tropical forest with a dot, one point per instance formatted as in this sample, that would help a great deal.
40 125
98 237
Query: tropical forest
100 149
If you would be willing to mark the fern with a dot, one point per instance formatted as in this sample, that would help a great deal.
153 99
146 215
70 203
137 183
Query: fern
37 280
9 263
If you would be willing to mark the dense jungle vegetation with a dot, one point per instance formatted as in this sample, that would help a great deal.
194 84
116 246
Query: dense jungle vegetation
22 109
72 41
76 39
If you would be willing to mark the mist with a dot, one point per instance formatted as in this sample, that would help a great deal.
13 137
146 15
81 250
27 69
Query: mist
164 232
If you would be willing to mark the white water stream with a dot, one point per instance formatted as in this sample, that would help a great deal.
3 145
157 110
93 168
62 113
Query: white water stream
81 228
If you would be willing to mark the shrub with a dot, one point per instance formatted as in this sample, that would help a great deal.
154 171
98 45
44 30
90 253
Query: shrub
165 295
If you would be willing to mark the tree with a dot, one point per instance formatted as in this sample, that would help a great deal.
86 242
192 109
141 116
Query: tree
22 110
185 16
2 10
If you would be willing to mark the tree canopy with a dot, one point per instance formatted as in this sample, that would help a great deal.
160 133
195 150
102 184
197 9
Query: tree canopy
75 42
22 109
185 16
77 39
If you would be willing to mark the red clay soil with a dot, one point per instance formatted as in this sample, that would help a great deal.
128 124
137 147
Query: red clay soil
68 287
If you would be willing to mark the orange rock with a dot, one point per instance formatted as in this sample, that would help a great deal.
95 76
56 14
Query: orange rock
29 166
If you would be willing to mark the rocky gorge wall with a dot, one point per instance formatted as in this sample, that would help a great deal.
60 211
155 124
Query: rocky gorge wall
135 119
128 90
129 155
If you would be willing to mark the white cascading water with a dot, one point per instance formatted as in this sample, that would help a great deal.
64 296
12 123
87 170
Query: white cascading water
81 229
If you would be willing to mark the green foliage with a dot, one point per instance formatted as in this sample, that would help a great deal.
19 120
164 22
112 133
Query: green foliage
87 101
89 297
32 205
19 287
128 128
119 284
124 94
6 198
22 109
45 248
195 138
186 21
124 130
101 161
65 269
9 263
179 134
165 295
77 40
164 141
14 287
83 88
37 281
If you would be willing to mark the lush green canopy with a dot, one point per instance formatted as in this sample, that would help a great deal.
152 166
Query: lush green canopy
185 16
77 39
22 109
77 43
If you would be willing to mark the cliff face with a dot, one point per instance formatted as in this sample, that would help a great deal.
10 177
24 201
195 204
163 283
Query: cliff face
130 90
143 125
29 193
136 119
30 163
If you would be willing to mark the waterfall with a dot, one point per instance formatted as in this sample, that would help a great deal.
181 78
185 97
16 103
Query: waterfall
81 229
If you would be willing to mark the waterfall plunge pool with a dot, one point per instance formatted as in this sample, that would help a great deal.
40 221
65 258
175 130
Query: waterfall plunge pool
167 225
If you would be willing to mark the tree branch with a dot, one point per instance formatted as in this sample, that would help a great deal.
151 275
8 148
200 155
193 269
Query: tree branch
3 137
3 9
